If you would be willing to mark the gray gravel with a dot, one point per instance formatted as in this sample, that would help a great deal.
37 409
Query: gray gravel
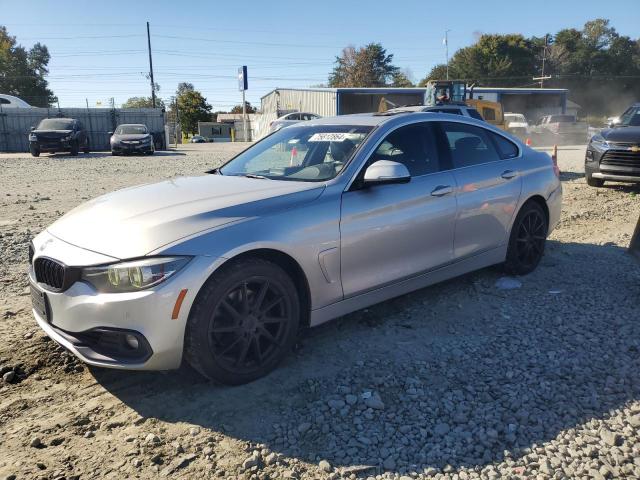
483 376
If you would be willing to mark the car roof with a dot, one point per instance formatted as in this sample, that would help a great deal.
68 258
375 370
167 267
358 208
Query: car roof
374 119
132 125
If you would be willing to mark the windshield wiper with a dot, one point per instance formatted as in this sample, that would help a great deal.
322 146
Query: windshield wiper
214 171
253 175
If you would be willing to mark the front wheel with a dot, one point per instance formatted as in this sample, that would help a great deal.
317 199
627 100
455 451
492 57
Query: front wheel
243 322
74 149
35 152
527 240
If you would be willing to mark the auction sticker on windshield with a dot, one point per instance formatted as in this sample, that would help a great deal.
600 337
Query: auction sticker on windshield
333 137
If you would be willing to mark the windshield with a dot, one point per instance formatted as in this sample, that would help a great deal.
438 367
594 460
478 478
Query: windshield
513 117
301 153
56 124
631 117
131 129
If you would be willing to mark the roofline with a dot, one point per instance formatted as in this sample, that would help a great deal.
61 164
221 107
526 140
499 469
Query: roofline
350 90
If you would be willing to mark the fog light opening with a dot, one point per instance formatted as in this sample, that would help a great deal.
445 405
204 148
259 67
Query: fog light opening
131 341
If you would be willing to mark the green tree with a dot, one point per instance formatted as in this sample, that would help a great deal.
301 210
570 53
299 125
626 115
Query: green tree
142 102
192 108
368 66
439 72
248 107
498 60
401 79
23 72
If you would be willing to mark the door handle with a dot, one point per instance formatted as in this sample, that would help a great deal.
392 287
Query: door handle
509 174
442 190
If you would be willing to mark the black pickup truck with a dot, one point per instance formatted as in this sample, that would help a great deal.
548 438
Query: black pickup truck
58 135
614 153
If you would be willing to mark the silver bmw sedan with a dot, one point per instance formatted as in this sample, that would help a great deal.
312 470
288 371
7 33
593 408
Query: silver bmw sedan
314 221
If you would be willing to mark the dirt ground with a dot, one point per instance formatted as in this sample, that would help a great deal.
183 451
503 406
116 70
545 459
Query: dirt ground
466 379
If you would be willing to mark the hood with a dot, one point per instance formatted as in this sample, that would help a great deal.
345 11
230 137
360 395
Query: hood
130 136
53 133
135 221
622 134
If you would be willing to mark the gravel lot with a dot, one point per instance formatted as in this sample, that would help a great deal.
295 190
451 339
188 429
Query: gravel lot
466 379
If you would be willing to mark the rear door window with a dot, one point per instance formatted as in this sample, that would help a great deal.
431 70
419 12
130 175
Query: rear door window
506 148
469 145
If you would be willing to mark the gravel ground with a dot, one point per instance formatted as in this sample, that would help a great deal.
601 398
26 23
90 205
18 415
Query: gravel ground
478 377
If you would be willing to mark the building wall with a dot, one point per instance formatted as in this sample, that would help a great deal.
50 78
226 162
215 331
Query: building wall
16 123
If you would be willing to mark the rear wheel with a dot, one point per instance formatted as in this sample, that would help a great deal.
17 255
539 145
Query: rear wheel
594 182
243 323
527 240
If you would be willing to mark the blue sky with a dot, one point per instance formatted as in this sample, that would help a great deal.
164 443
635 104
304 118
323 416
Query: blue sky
99 49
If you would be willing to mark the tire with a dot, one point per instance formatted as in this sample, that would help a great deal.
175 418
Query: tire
527 239
34 152
113 153
74 149
594 182
227 338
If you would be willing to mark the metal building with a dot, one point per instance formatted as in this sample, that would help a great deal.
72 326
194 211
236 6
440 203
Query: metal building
16 123
532 102
328 102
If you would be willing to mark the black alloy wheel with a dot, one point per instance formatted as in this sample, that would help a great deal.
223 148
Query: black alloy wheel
527 241
243 322
249 325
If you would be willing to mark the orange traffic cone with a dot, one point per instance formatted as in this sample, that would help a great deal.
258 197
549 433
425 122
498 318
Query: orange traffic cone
527 142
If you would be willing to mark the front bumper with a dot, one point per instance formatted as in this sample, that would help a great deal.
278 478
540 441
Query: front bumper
78 314
131 147
50 146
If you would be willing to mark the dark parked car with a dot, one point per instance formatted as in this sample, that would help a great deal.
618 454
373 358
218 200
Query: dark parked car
58 135
614 153
198 139
132 138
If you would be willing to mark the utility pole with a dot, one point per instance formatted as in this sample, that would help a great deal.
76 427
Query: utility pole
153 85
542 78
446 49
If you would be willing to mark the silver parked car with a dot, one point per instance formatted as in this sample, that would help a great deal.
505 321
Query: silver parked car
131 138
313 222
291 119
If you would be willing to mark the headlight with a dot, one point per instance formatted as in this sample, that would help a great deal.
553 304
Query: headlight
146 139
598 141
67 138
131 276
33 137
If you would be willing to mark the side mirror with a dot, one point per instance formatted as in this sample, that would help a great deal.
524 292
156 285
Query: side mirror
109 133
33 128
385 171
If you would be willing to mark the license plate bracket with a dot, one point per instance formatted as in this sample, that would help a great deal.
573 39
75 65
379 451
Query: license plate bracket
40 303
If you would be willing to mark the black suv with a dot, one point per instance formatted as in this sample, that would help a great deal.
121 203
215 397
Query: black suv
58 135
614 153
